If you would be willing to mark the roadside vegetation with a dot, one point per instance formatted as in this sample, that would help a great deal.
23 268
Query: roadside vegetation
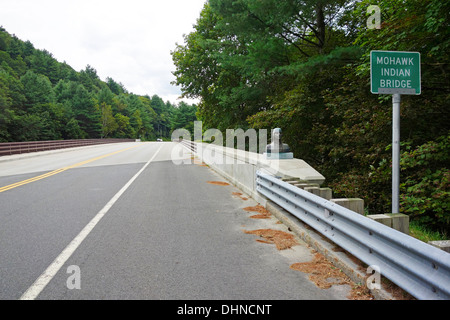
304 66
44 99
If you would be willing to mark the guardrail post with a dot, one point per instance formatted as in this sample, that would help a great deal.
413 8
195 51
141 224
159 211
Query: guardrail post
397 221
313 190
354 204
326 193
400 222
443 245
381 218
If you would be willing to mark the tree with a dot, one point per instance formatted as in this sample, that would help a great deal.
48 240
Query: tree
38 89
50 121
116 88
149 119
197 67
85 112
109 124
123 126
244 55
6 113
184 117
72 130
137 124
89 79
43 63
303 66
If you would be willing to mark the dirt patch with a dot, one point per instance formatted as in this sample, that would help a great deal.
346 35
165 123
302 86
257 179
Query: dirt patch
263 213
200 163
321 271
197 161
396 292
218 183
281 239
324 275
240 195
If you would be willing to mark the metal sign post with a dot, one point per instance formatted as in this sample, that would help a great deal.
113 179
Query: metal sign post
397 73
396 99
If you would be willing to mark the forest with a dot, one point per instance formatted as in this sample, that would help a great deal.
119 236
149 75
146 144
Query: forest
44 99
304 66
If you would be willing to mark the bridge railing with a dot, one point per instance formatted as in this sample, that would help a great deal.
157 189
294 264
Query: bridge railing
417 267
189 144
12 148
240 166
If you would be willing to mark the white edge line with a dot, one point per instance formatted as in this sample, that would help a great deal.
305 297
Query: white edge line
41 282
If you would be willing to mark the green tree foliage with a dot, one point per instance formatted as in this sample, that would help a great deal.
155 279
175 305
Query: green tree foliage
184 117
38 89
303 66
109 124
43 99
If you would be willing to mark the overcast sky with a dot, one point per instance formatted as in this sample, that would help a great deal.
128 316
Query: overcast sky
127 40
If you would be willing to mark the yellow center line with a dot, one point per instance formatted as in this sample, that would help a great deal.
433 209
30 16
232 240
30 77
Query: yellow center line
52 173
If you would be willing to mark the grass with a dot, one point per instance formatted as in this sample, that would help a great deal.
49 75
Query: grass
424 234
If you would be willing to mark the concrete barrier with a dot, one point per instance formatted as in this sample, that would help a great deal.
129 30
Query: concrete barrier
397 221
240 167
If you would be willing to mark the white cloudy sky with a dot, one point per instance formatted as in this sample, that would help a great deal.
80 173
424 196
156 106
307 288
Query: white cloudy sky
127 40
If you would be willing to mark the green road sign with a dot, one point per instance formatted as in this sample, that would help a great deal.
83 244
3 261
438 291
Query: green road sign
395 72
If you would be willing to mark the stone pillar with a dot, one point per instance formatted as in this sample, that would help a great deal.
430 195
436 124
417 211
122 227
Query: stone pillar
354 204
400 222
397 221
381 218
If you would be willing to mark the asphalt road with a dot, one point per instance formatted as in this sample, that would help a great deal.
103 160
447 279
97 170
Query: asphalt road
122 221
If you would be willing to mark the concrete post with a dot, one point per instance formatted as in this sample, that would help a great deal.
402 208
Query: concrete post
381 218
400 222
354 204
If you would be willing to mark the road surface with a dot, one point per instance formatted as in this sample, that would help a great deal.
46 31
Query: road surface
123 221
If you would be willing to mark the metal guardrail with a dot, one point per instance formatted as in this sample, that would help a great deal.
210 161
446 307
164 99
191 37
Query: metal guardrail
190 145
418 268
11 148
